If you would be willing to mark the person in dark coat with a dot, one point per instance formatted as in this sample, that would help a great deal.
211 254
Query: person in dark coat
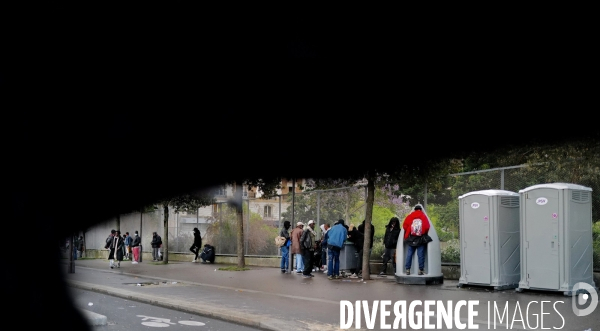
155 243
108 243
197 245
357 238
285 249
390 240
116 249
81 247
208 254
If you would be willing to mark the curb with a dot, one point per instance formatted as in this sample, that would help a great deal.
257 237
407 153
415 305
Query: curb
93 318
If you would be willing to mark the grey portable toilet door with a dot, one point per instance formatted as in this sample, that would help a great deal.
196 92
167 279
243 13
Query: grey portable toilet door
541 226
476 244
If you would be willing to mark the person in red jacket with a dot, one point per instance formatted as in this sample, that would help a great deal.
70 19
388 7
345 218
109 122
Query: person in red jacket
416 224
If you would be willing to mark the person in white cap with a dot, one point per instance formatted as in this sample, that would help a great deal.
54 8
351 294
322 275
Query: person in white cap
296 248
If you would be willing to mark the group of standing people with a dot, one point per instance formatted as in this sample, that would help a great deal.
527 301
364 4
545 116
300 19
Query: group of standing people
78 247
122 247
127 247
304 246
303 243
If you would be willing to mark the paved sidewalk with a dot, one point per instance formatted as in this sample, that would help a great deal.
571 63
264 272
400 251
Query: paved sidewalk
265 298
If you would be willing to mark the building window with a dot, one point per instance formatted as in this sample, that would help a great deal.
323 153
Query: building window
221 191
217 208
268 211
245 192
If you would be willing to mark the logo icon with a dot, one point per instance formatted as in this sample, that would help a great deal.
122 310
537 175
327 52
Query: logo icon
475 205
541 201
586 294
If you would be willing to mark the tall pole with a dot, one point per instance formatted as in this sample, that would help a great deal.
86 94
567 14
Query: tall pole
247 219
290 260
318 209
141 219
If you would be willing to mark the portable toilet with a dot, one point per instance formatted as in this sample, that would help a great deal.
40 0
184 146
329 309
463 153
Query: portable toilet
556 237
489 239
433 261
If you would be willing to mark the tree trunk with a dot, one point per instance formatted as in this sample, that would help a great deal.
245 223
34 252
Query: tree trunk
164 249
239 212
367 236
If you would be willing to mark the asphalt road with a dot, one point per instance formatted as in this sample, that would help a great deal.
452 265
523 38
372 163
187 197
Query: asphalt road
127 315
263 296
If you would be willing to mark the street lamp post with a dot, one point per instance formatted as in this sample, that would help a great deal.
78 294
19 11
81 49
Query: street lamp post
140 234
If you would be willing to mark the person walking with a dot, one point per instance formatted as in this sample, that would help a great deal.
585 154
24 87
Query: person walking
123 248
197 245
116 250
335 241
108 243
127 243
415 225
308 244
120 248
155 243
135 247
296 247
285 248
390 240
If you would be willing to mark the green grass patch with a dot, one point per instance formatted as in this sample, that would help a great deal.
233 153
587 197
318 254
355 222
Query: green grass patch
234 268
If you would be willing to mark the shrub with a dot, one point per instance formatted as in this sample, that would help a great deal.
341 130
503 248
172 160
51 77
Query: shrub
377 250
451 253
596 244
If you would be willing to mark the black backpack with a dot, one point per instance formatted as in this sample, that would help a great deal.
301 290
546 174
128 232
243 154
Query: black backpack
108 242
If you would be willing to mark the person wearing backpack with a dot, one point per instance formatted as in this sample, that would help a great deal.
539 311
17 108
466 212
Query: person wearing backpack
285 257
308 244
390 240
109 240
415 225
